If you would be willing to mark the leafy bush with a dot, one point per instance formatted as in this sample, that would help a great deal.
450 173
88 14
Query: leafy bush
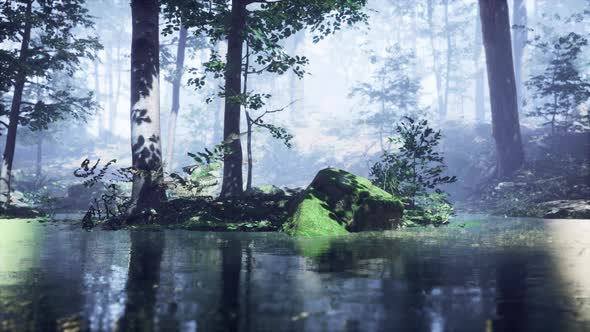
113 202
415 172
201 175
561 88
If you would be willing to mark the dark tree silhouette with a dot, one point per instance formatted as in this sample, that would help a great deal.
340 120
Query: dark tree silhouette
232 163
495 26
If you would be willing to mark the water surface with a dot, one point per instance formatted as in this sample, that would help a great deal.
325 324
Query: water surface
480 274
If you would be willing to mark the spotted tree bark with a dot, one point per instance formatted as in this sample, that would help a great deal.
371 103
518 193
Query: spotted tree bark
232 184
148 190
505 122
19 84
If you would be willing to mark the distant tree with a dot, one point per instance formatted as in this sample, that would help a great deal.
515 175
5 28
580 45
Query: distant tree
519 41
176 83
263 24
479 72
561 88
393 87
148 189
45 115
505 123
258 121
112 18
44 32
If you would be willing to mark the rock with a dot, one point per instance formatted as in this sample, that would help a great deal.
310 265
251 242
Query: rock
80 197
338 202
567 209
504 185
268 190
17 199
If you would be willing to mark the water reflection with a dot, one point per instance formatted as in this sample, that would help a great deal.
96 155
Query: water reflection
231 266
143 281
505 275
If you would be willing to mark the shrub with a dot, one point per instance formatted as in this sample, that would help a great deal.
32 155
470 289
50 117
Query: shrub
415 172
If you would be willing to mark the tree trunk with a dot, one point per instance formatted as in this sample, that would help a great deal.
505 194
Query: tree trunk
479 73
505 124
110 92
118 88
19 84
519 19
218 108
249 121
148 190
437 73
39 161
97 96
232 184
249 152
443 111
176 95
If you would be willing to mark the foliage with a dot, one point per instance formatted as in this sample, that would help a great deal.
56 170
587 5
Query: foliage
267 23
558 169
43 200
54 54
432 208
200 176
561 88
113 202
415 171
276 132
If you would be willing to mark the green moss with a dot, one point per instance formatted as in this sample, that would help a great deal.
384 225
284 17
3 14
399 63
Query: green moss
270 189
314 219
337 202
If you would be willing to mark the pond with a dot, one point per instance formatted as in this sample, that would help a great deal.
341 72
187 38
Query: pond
479 274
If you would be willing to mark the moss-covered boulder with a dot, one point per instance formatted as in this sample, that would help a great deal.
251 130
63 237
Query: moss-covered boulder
338 202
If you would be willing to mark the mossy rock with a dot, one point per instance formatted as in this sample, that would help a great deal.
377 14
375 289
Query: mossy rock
268 190
338 202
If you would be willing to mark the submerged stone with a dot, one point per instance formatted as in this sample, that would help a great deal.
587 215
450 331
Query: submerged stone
338 202
567 209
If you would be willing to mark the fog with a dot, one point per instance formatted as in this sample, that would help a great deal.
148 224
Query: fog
330 123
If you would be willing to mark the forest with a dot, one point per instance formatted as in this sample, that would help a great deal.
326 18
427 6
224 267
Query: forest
321 165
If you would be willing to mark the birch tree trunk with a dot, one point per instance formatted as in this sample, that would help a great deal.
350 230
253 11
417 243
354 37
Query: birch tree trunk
148 190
